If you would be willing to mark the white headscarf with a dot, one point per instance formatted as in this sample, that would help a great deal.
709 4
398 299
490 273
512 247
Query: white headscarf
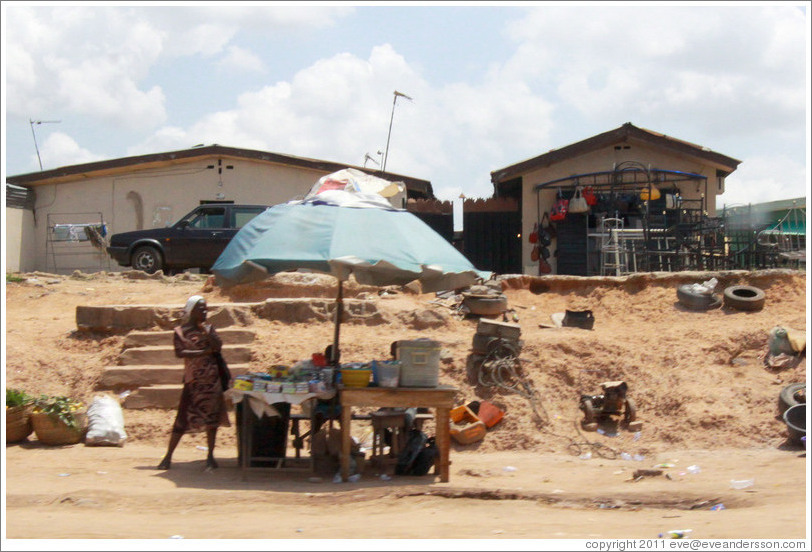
190 304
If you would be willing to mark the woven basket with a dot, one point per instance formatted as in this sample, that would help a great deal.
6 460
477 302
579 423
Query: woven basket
51 431
18 423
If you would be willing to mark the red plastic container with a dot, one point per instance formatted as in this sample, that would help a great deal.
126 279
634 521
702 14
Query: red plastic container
490 414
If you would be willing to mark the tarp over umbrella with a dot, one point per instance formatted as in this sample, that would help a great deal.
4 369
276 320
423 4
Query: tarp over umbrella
377 244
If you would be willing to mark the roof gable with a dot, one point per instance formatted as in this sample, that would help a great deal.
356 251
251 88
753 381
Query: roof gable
624 133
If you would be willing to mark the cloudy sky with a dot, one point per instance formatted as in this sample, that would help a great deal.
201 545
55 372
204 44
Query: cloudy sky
491 84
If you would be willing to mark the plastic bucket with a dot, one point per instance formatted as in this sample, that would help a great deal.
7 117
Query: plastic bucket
795 418
355 378
386 373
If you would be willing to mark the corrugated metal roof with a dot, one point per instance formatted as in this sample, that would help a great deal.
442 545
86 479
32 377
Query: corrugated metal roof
19 197
621 134
417 187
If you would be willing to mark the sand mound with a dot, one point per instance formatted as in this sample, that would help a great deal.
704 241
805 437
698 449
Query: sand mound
697 378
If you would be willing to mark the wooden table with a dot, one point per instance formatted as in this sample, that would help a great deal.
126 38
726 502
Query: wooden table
441 399
260 404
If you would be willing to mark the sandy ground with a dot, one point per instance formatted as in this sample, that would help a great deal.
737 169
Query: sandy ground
83 492
703 394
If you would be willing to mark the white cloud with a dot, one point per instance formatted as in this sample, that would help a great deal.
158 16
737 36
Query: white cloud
205 39
85 61
728 77
242 60
59 150
92 61
339 108
264 18
665 63
757 180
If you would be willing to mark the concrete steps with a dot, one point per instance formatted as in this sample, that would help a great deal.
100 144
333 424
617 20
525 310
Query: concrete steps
166 397
148 368
121 378
230 336
165 355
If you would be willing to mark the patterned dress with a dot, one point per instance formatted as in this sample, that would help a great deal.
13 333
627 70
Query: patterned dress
202 405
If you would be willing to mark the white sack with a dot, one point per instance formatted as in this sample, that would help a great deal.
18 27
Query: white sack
105 422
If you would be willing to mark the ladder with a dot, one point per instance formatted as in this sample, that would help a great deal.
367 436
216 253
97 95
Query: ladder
613 248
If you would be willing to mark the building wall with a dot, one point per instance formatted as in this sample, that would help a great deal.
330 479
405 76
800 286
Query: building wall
535 204
19 238
150 198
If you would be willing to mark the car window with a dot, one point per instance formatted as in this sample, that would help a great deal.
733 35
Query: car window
240 216
209 218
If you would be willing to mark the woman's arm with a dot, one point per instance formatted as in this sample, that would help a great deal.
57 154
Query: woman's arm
215 342
183 350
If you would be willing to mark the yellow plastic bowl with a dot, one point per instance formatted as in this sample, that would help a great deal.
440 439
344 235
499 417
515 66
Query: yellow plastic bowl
355 378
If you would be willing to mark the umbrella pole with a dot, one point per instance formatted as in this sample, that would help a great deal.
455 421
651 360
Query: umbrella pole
339 312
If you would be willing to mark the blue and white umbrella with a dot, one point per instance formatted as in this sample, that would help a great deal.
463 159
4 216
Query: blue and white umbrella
363 236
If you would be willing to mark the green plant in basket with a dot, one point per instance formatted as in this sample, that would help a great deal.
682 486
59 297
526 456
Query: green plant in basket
15 397
59 408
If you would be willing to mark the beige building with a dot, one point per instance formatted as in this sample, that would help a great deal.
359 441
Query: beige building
620 166
148 191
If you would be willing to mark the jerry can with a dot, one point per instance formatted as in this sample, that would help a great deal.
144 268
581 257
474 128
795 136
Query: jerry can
466 427
468 433
490 414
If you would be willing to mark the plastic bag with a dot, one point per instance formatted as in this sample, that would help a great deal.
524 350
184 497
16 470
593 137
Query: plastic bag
705 288
105 422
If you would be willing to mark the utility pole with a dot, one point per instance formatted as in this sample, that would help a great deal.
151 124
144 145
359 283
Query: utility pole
34 134
392 118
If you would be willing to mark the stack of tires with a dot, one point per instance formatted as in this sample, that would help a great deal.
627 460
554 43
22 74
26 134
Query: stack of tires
485 300
694 300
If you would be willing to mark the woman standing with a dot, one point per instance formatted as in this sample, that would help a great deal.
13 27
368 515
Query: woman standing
202 405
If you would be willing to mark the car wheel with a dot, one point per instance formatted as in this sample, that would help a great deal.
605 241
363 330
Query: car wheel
148 259
589 411
792 394
697 301
630 413
744 298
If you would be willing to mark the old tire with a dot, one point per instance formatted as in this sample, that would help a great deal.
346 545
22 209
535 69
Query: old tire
480 343
697 301
148 259
486 306
795 418
792 394
589 412
744 298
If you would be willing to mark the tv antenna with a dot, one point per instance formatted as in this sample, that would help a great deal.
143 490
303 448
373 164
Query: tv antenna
34 134
392 118
368 157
